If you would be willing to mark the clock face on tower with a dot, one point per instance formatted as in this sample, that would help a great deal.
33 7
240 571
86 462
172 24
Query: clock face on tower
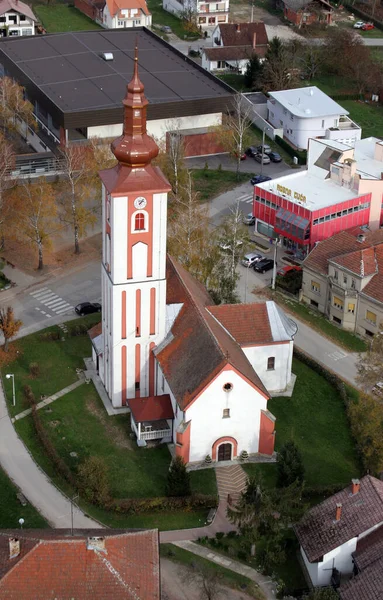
140 202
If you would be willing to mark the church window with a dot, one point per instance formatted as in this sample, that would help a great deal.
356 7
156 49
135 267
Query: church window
226 413
227 387
139 222
271 363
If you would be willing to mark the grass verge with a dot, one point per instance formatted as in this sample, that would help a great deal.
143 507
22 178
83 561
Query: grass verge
163 17
317 321
57 18
11 510
229 578
210 183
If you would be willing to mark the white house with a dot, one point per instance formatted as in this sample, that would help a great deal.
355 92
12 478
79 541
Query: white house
306 113
16 18
208 13
191 373
331 532
118 14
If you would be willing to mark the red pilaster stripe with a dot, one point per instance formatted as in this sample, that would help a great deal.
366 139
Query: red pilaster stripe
152 311
151 369
123 315
123 375
138 368
138 313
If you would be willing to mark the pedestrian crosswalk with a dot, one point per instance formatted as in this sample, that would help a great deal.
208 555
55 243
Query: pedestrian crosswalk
52 302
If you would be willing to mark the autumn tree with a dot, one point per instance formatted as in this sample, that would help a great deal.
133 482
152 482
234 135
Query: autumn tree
366 419
33 214
13 105
94 480
9 326
234 133
370 363
7 161
277 73
77 164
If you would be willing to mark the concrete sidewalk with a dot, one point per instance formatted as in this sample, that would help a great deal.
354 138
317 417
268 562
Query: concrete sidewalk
266 584
19 465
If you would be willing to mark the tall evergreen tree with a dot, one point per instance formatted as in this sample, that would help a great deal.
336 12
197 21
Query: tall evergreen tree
289 465
178 482
253 73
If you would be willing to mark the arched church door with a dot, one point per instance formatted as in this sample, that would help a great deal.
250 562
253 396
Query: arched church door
224 452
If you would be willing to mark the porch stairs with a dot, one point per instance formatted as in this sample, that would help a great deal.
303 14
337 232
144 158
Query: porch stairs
231 481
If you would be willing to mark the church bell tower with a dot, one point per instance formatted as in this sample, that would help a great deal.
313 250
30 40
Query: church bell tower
134 214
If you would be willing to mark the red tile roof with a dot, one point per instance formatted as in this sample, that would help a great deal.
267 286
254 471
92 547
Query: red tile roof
374 288
361 262
247 323
340 244
116 6
369 549
95 331
368 585
242 34
53 564
319 533
197 348
153 408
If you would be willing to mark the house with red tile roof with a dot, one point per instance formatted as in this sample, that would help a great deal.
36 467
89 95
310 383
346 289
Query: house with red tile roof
343 278
117 14
16 18
367 582
343 535
193 374
85 564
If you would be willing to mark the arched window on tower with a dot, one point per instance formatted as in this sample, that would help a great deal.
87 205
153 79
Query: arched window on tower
139 222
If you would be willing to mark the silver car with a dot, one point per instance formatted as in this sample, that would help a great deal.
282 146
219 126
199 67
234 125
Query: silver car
250 259
262 159
249 219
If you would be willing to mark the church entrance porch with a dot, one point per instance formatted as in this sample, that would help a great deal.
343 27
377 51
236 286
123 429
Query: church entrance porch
151 418
224 452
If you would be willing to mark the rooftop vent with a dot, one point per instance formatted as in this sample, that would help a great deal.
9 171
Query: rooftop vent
107 55
14 547
311 92
361 238
96 543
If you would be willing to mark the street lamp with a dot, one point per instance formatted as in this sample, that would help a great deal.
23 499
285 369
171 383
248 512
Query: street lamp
247 275
11 376
263 144
276 242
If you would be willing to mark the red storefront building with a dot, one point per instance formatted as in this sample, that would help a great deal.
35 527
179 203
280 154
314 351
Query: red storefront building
309 206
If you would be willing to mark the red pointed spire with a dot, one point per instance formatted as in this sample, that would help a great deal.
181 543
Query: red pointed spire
135 148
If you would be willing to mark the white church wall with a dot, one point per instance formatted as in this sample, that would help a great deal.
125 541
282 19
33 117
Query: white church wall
277 379
208 423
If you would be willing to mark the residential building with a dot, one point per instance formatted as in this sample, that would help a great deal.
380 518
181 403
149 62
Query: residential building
234 44
343 278
332 531
306 12
188 370
16 19
208 13
367 582
76 81
341 189
89 564
116 14
306 113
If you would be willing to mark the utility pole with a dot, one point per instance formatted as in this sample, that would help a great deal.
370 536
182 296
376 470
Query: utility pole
71 513
252 11
276 242
263 145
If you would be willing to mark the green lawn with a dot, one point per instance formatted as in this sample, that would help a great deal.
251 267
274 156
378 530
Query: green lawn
210 183
163 17
11 510
62 17
236 81
229 578
368 116
317 321
57 361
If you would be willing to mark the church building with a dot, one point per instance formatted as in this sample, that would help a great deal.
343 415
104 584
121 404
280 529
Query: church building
192 373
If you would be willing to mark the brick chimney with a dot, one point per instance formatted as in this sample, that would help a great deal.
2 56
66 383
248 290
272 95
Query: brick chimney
355 486
254 40
338 513
237 27
14 548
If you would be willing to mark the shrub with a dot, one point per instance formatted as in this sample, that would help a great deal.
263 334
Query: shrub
93 480
143 505
78 329
289 465
178 481
29 395
34 369
231 534
208 460
50 336
241 554
219 535
244 455
291 281
300 154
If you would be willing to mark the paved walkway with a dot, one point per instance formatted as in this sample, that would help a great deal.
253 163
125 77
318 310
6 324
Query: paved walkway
231 481
33 482
50 399
265 583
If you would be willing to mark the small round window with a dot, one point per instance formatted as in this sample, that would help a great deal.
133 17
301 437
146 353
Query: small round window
227 387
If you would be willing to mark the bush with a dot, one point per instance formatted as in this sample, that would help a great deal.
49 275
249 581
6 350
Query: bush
78 329
50 336
34 369
93 480
300 154
178 481
143 505
241 554
291 281
289 465
29 395
219 535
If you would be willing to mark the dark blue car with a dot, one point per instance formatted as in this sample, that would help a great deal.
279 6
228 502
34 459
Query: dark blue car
259 179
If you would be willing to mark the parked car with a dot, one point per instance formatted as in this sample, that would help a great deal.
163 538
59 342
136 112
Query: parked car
358 25
287 268
259 179
378 389
266 149
367 26
275 157
251 258
266 264
242 157
166 29
87 308
251 151
262 158
249 219
227 245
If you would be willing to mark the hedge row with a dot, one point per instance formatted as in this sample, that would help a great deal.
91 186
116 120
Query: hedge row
365 16
142 505
339 97
300 154
73 331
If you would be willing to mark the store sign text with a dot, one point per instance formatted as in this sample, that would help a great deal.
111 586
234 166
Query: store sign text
287 192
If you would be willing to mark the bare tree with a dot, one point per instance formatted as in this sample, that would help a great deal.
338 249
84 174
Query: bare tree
207 580
233 237
370 364
7 161
175 153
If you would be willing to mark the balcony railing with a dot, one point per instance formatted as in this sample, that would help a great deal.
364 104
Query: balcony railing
155 434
